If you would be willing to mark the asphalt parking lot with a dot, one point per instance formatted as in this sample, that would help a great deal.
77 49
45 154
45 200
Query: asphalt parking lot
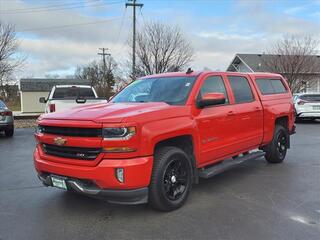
253 201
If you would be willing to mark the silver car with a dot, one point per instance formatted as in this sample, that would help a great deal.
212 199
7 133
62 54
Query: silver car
307 106
6 120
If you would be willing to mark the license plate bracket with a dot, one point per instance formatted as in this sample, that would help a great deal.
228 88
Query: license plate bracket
59 182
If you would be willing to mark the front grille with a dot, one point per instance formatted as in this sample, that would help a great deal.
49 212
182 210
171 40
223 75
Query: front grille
71 152
71 131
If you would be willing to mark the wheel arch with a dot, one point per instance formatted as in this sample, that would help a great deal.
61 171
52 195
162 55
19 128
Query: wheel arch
283 121
185 143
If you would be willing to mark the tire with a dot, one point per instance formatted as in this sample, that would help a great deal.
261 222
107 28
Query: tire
9 132
276 150
171 179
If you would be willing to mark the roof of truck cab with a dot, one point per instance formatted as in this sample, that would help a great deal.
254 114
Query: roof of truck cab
264 74
197 73
172 74
70 86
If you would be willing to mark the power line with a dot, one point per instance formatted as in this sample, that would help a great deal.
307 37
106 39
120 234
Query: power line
142 16
68 25
60 8
43 7
134 4
121 26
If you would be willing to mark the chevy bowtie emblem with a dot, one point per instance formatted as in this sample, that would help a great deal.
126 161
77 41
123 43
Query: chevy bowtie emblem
60 141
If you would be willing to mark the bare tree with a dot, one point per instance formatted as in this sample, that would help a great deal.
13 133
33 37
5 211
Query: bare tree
9 61
161 48
295 58
101 76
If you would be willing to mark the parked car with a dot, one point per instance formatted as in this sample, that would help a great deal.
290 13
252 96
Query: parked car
307 106
6 120
63 97
160 134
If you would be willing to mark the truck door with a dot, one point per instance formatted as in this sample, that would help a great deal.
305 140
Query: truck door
215 123
249 113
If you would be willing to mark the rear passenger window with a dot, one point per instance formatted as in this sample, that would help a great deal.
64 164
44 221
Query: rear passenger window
241 89
271 86
278 86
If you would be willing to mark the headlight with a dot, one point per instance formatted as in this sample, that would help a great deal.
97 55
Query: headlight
121 133
38 129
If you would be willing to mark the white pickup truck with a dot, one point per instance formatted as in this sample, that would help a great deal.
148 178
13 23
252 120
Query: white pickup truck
63 97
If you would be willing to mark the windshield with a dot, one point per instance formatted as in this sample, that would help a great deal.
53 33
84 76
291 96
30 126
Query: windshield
171 90
2 105
311 97
72 93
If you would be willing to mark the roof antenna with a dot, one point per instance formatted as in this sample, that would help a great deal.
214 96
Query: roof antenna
189 71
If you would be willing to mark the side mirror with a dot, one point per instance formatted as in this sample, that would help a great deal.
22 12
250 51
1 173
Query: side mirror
210 99
42 100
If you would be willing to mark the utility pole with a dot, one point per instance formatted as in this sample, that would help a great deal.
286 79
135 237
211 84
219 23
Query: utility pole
104 54
134 4
105 81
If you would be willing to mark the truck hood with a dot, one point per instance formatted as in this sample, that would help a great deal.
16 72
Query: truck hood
117 112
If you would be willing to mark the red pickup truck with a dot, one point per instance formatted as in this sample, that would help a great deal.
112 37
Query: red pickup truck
160 134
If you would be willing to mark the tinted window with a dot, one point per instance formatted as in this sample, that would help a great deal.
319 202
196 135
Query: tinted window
2 105
271 86
214 84
311 97
265 86
86 93
241 89
73 92
171 90
278 86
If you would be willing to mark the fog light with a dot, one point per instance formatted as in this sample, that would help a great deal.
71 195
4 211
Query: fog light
119 174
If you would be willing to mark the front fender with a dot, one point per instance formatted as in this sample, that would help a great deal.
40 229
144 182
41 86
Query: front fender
155 132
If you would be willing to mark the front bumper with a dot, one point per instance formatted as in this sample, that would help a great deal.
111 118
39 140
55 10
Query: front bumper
308 114
6 126
102 177
131 196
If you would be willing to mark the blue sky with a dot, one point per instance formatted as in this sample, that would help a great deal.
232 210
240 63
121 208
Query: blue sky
58 35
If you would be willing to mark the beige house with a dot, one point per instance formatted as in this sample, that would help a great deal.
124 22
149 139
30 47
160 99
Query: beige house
31 89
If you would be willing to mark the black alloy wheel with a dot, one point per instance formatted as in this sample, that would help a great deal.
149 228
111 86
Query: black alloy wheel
282 145
171 179
175 179
276 150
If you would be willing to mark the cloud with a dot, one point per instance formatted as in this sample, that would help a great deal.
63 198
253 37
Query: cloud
274 23
217 49
247 33
101 29
53 55
62 49
247 27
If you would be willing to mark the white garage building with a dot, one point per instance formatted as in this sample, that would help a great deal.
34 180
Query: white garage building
31 89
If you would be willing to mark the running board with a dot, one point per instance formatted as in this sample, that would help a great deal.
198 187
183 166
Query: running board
227 164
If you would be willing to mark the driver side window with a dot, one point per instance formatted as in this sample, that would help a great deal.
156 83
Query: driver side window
214 84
